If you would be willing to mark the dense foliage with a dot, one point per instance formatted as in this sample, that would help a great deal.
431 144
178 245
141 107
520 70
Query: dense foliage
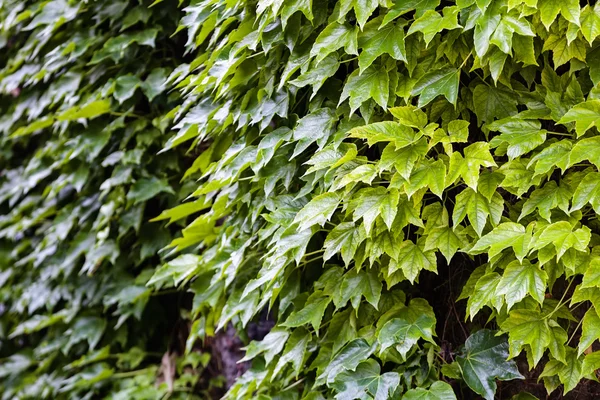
83 116
371 173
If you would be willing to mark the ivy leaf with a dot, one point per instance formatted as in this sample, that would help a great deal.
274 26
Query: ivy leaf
362 9
345 239
373 83
478 209
484 294
375 42
431 23
476 156
435 83
411 259
586 149
125 86
555 155
414 322
295 349
89 111
401 136
318 211
546 199
437 391
529 327
313 128
483 360
356 284
563 237
311 313
403 159
444 239
493 103
367 378
427 174
569 372
334 37
318 74
147 188
520 135
585 115
591 277
401 8
507 234
590 23
549 10
270 346
590 331
519 280
369 203
347 359
588 191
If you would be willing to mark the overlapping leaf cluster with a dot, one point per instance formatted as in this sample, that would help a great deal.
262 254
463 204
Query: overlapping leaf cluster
352 146
82 116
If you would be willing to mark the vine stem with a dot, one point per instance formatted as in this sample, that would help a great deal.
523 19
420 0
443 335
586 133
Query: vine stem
560 303
575 331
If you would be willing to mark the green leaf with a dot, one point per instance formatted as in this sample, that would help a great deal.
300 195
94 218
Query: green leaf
586 149
373 83
588 192
414 322
484 294
347 359
367 378
427 174
585 115
476 156
313 128
505 235
530 328
345 239
521 279
318 211
401 136
357 284
437 391
334 37
590 331
435 83
401 8
311 313
549 10
563 237
375 42
555 155
431 23
590 23
569 372
295 349
403 159
147 188
520 135
546 199
478 209
362 9
369 203
483 360
270 346
89 111
411 259
444 239
125 86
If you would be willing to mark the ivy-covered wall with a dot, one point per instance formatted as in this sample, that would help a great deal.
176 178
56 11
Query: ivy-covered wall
408 189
